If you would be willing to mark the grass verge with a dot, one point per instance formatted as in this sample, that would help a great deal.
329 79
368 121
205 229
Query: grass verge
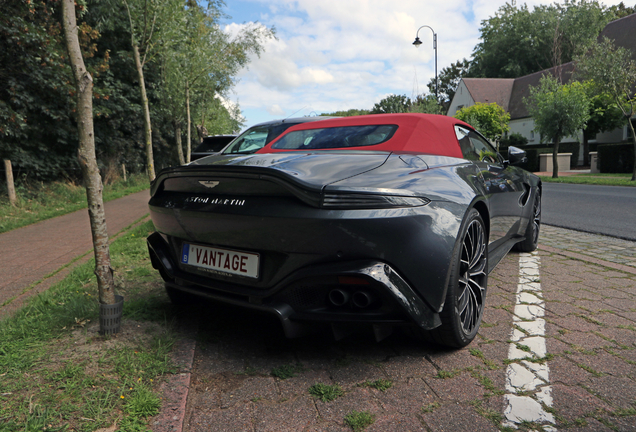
59 374
593 179
37 202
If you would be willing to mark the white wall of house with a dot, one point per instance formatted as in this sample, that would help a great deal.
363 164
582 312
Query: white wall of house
525 126
461 99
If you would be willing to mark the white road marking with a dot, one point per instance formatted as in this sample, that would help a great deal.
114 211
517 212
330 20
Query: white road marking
528 390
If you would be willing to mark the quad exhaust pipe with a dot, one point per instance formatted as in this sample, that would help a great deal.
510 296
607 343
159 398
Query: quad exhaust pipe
338 297
360 299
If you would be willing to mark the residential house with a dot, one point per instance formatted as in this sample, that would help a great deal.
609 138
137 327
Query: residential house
509 92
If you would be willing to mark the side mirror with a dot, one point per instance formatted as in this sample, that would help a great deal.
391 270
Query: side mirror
516 156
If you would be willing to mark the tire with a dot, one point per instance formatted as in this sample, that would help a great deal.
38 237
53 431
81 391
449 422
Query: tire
466 293
532 230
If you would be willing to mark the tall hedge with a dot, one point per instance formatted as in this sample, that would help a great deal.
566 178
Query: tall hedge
615 158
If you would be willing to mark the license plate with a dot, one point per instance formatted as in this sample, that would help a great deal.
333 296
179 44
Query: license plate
221 260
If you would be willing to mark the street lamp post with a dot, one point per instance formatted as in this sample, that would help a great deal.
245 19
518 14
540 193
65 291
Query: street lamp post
417 44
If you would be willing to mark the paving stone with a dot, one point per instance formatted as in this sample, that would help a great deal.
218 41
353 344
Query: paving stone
564 371
462 387
572 402
451 417
583 340
406 398
356 372
402 368
613 319
619 391
451 360
292 415
395 423
300 384
236 419
573 323
358 399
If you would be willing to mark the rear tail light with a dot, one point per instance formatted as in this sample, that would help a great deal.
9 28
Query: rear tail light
370 201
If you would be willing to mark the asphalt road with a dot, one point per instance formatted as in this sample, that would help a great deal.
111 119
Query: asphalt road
607 210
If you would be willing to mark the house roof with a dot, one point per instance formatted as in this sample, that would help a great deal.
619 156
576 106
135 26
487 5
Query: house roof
521 87
489 90
623 32
509 92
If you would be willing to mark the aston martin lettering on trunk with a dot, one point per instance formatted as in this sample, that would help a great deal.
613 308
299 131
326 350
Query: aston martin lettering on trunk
215 201
222 260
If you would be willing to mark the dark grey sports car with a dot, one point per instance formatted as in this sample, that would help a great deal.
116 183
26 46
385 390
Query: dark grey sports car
377 221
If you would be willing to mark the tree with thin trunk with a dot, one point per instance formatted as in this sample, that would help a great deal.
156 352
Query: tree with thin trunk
612 70
205 60
151 23
558 111
86 155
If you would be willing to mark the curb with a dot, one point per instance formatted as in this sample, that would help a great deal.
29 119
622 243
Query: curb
175 390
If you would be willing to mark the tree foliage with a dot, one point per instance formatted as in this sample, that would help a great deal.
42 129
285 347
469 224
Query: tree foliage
489 119
38 130
518 41
612 71
605 116
448 80
426 104
558 111
347 113
392 104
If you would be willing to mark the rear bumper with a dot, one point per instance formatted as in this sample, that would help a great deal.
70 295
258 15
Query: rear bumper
304 296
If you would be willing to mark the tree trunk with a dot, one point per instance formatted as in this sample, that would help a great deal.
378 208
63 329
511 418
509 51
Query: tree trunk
631 126
10 185
555 159
189 123
202 132
177 136
586 149
86 155
144 103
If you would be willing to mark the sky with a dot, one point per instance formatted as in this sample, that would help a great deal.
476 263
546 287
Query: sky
333 55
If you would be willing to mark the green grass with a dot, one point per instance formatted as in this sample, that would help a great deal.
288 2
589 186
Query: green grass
381 384
358 421
617 179
325 392
39 201
287 371
58 374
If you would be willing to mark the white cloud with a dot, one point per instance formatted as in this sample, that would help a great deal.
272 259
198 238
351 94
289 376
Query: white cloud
275 110
334 55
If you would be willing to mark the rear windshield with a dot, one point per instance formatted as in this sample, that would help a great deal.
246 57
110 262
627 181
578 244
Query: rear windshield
256 137
336 137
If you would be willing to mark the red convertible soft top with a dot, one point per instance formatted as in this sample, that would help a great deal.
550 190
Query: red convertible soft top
416 133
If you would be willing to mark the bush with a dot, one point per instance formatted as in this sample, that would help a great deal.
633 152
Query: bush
514 139
615 158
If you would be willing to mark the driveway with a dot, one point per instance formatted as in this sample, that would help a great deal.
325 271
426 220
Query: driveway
571 363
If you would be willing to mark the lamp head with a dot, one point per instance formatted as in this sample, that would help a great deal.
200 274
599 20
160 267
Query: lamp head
417 42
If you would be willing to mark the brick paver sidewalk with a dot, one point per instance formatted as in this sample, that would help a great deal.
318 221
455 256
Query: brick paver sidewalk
30 253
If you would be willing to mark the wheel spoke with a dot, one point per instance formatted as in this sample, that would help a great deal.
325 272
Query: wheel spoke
536 222
470 302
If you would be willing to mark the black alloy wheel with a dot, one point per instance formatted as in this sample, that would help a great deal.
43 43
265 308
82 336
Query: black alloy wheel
533 229
466 295
472 277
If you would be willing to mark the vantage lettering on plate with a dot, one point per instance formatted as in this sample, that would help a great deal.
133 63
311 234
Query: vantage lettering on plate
222 260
